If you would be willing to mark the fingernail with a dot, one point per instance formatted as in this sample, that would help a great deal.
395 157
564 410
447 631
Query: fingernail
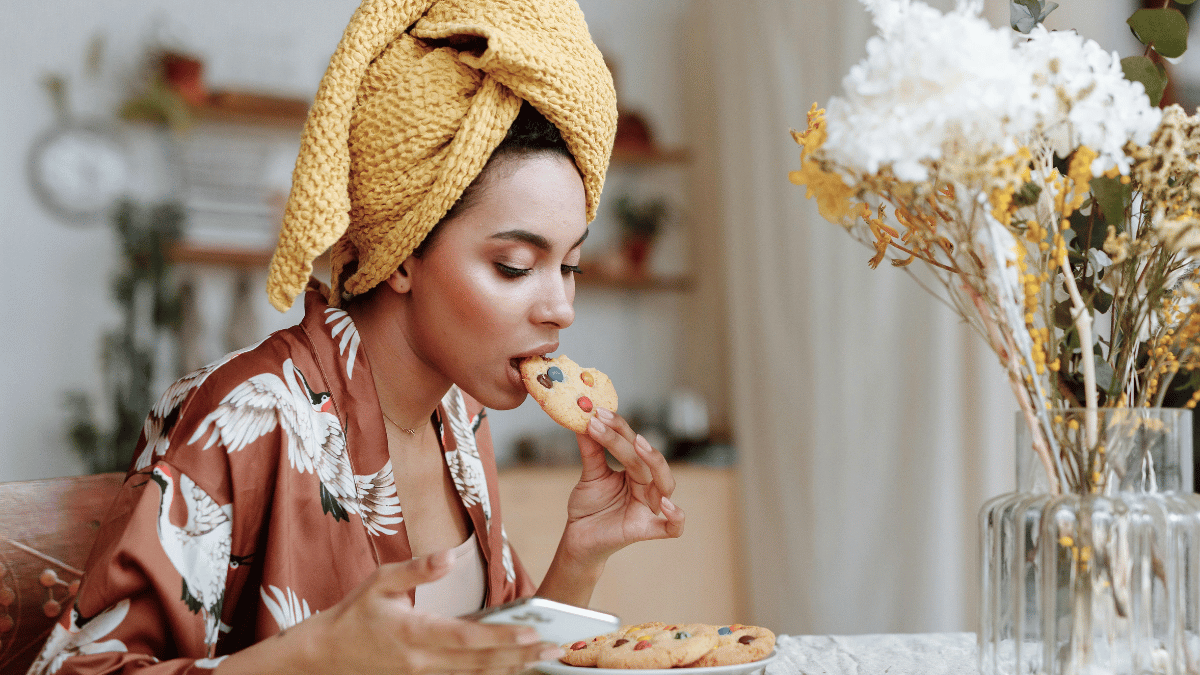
552 653
595 425
528 637
669 504
643 443
604 414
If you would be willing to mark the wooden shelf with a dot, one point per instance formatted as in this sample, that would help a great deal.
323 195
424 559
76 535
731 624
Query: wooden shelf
649 156
236 107
229 256
650 282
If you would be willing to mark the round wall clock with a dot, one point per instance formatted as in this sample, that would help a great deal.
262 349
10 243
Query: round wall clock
79 170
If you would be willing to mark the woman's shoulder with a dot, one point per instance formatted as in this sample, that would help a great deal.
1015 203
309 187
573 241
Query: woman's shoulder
242 388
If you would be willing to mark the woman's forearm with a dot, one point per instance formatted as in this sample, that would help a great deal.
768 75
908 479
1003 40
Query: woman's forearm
570 579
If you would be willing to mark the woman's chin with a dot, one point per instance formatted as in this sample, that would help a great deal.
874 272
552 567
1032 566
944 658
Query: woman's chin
503 399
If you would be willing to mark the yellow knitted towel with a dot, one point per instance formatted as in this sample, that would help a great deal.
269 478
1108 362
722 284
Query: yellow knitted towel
416 97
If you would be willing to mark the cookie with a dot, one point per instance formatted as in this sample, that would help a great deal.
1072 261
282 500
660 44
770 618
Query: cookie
584 653
738 644
568 393
672 646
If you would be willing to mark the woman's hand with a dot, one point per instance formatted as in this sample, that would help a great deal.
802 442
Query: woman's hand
375 631
610 509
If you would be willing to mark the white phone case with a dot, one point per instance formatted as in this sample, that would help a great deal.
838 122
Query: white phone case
554 621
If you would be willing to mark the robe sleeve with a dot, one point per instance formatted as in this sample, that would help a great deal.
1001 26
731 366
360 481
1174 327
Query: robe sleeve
164 570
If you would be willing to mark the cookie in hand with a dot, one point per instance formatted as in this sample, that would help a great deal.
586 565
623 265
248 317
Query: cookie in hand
568 393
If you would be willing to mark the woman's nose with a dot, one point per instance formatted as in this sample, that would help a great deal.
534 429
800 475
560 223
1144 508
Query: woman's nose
557 306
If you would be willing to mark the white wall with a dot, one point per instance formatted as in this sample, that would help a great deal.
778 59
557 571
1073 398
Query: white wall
58 302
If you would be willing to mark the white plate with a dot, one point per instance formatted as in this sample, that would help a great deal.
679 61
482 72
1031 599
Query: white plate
560 668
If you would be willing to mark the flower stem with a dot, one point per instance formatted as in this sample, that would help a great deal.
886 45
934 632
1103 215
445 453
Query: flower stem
1004 348
1083 323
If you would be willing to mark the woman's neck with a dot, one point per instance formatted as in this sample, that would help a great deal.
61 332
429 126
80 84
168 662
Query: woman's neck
409 390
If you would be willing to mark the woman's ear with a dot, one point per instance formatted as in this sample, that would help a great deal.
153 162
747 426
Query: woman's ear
399 280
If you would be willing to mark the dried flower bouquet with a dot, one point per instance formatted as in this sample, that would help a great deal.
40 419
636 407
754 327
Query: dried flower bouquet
1056 206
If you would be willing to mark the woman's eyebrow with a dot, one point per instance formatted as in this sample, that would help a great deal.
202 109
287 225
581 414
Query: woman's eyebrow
534 239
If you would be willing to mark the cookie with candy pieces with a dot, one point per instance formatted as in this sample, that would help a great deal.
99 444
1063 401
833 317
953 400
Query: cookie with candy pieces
738 644
567 392
585 652
671 646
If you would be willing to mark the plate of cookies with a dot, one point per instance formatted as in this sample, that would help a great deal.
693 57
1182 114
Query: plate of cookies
701 649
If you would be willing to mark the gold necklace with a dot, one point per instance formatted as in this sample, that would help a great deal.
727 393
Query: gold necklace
410 432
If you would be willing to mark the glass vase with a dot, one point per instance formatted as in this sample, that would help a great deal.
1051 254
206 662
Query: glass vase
1103 578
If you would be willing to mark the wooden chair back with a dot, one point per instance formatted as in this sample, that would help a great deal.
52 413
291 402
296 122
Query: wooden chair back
46 531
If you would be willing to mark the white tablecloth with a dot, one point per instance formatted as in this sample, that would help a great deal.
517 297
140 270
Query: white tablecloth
891 654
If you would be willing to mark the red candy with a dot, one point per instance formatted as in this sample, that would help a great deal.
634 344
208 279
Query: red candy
578 645
620 642
585 403
643 644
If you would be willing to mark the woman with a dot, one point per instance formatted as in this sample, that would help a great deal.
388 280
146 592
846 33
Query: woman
324 501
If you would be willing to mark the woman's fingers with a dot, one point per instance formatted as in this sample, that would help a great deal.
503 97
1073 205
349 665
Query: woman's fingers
612 431
592 459
675 518
659 468
449 644
396 579
445 632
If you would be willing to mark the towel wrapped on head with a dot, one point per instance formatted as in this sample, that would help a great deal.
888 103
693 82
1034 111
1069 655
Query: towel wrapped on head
416 97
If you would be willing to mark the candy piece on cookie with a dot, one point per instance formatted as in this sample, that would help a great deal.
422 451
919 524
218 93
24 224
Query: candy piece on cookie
568 393
738 644
669 646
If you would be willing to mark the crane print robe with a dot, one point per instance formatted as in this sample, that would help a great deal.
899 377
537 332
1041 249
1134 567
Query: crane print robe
261 492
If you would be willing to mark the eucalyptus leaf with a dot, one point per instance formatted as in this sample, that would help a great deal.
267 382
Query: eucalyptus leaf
1023 15
1111 197
1145 70
1165 29
1062 315
1104 375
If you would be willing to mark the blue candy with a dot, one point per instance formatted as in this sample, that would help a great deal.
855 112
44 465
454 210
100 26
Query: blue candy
555 373
723 630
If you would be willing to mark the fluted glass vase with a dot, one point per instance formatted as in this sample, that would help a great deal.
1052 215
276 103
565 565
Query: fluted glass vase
1103 578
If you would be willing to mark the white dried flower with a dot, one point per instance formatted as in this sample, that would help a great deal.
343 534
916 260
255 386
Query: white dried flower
928 79
1086 98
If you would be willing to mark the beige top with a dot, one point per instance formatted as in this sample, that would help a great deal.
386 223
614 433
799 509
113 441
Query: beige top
462 590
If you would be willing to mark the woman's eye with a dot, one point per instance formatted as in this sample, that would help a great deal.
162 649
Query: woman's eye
511 272
571 269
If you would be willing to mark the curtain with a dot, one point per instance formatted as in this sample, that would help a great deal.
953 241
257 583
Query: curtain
871 423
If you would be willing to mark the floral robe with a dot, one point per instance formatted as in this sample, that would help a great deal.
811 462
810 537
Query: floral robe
261 493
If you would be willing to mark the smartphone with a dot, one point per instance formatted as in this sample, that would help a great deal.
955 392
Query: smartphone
554 621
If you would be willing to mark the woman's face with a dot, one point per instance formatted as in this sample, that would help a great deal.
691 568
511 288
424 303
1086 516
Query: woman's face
498 283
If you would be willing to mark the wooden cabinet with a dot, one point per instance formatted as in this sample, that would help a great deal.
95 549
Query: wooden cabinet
695 578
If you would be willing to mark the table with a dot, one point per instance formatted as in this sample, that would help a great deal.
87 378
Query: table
886 654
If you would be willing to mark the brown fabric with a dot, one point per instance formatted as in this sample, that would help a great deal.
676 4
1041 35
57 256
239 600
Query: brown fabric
416 97
279 500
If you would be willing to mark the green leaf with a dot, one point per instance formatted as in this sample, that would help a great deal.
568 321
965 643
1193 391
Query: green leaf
1165 29
1105 377
1145 70
1112 197
1102 301
1027 194
1062 316
1023 15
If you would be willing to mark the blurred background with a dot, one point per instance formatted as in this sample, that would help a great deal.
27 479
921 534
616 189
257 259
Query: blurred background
834 430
